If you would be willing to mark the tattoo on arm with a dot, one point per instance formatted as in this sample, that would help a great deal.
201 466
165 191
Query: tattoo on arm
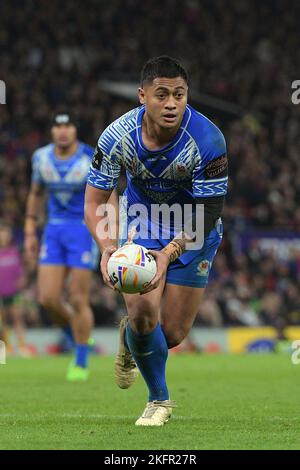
174 249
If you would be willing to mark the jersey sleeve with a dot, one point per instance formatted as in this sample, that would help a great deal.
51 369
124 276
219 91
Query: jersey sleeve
36 176
210 175
105 168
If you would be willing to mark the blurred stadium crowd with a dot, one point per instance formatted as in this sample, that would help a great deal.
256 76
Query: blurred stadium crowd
243 52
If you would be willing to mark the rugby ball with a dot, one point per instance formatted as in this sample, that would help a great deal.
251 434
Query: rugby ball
130 268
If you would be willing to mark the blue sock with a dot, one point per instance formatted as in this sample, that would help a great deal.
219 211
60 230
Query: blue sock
81 355
150 352
68 333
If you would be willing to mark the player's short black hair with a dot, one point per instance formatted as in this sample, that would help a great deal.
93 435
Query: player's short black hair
162 66
64 116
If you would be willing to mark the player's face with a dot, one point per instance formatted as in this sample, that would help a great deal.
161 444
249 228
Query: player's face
165 100
64 135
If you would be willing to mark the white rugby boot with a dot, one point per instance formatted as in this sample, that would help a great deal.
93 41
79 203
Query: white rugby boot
156 413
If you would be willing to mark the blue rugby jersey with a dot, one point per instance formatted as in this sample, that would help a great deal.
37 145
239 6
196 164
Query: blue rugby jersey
190 166
65 180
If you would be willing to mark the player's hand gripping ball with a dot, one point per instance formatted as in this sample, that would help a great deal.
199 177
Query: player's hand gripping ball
130 268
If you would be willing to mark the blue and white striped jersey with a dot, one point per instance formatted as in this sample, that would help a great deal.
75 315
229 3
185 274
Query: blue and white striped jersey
190 166
65 180
193 165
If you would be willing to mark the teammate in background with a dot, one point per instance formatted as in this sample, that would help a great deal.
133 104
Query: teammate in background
67 251
172 154
11 284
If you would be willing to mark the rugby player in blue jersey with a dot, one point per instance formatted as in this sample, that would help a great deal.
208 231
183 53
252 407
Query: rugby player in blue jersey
67 253
172 154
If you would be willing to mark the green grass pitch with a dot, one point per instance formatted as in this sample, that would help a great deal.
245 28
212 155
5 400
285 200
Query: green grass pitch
224 402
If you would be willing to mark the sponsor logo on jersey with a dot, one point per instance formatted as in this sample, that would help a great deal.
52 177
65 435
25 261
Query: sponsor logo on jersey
97 158
154 158
181 168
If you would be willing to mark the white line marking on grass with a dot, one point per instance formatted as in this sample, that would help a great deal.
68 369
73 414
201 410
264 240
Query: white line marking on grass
76 416
96 416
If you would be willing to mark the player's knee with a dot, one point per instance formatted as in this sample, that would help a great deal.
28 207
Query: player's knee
174 336
143 317
142 324
77 300
50 303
